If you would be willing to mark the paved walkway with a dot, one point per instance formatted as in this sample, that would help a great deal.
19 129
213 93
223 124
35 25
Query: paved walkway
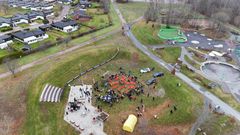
82 119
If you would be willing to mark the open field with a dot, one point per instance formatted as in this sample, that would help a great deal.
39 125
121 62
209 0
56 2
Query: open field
47 118
57 76
132 10
168 54
147 34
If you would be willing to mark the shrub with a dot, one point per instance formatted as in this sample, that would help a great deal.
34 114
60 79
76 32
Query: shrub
45 21
4 29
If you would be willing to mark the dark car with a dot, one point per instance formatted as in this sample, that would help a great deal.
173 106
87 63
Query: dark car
151 81
158 74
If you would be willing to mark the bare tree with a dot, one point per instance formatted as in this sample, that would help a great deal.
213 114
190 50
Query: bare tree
219 18
152 11
11 65
4 7
105 4
237 21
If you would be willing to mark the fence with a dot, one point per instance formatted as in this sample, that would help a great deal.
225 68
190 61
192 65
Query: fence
92 68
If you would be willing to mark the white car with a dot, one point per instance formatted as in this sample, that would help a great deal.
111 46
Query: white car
145 70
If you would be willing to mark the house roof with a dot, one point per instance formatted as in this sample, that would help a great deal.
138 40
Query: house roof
79 12
63 24
45 26
19 16
4 38
26 34
5 20
84 2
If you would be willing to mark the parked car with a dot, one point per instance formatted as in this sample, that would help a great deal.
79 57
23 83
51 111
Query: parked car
158 74
151 81
145 70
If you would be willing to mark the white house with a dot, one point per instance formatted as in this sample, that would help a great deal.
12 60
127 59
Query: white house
65 1
4 22
30 37
5 40
66 26
19 18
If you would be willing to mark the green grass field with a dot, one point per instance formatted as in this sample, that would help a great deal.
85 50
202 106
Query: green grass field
169 54
47 118
23 25
147 34
3 52
132 10
12 11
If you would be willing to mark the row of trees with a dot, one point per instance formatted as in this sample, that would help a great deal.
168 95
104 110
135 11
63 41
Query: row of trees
225 11
220 11
167 12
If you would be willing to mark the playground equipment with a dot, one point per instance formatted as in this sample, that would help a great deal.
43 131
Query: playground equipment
172 33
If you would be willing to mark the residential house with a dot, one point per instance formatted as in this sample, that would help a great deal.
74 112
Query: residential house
85 4
81 15
19 18
5 22
41 7
30 37
32 5
65 1
45 27
66 26
5 40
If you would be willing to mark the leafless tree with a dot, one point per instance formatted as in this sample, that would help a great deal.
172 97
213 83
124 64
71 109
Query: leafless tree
11 65
4 7
237 21
105 4
152 11
220 18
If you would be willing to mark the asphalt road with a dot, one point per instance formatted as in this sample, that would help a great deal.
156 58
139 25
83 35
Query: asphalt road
215 100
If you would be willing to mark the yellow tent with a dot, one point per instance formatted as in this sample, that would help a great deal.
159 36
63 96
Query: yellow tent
130 123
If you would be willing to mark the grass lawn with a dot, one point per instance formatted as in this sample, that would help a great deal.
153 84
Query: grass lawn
17 45
12 11
220 125
39 21
47 118
169 54
52 50
98 21
132 10
23 25
193 63
3 52
147 34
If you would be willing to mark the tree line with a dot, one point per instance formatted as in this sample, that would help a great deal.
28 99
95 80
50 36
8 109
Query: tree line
219 11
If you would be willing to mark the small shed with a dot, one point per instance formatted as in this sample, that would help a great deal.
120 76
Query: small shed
130 123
